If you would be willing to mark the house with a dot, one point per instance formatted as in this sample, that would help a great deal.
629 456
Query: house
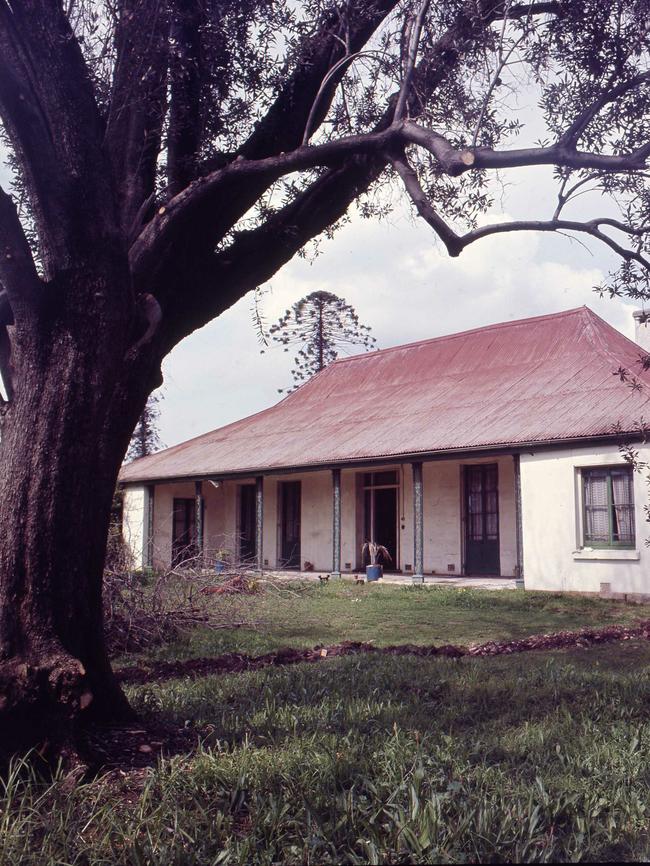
495 451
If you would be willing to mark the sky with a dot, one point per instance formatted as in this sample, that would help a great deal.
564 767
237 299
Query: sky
404 286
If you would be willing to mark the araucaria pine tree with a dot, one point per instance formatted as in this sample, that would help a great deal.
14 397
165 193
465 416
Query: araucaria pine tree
146 437
322 325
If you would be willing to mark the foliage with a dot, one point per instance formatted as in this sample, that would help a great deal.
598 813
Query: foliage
374 551
146 608
322 325
528 759
146 436
386 615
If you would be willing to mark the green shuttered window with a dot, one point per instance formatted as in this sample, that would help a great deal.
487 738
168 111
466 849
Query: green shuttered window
608 498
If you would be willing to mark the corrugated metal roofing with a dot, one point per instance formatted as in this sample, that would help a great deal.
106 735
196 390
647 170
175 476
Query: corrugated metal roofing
534 380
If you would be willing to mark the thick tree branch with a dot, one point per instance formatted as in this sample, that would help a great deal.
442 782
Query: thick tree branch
415 32
48 107
18 273
423 206
456 243
185 84
455 162
137 105
182 210
556 225
339 186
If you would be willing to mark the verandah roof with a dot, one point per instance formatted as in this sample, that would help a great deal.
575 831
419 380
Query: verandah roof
548 378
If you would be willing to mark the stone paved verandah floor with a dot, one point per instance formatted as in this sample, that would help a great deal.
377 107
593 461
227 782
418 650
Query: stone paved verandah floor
459 582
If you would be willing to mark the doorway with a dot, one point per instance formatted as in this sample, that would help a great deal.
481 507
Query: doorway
380 515
184 540
247 524
482 519
289 524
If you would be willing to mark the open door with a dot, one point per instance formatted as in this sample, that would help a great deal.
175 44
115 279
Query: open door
381 498
289 524
184 541
482 519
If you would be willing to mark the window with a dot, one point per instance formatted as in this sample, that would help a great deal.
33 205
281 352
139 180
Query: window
608 497
380 479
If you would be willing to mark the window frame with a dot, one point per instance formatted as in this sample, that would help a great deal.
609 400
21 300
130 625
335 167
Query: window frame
612 544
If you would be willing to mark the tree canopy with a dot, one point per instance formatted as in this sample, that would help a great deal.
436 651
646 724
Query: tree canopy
170 156
146 436
320 325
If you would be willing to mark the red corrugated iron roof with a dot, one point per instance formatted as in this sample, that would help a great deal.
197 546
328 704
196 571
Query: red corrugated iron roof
535 380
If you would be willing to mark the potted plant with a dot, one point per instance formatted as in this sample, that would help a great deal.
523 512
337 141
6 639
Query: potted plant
221 561
375 570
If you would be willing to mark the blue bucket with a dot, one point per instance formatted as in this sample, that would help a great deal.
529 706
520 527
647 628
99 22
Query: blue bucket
374 572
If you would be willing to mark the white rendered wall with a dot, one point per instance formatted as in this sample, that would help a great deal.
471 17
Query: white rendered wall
134 516
443 515
551 514
443 526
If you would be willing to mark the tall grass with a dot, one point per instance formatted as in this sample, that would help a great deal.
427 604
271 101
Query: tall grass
534 758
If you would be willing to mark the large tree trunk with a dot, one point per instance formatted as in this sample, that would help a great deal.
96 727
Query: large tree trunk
63 440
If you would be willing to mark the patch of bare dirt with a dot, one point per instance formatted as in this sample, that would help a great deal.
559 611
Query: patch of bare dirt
239 662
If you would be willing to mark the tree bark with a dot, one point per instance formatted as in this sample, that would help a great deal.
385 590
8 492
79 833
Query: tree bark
63 440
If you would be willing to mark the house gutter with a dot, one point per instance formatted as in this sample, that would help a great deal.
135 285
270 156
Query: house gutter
387 460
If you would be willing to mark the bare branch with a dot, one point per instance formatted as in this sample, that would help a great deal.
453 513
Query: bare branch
415 31
419 198
582 121
556 225
564 197
338 67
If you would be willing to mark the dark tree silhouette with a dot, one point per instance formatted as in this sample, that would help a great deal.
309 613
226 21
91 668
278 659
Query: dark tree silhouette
322 325
171 156
146 436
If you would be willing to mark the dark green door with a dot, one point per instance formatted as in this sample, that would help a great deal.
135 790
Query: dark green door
290 524
482 519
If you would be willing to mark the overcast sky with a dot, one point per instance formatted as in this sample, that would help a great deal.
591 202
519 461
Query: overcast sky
404 285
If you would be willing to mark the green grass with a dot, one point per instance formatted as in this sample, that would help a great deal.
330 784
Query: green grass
392 614
537 757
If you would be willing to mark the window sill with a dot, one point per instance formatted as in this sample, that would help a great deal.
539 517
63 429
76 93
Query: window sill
607 553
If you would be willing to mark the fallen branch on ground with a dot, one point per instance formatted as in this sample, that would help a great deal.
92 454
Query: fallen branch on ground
240 662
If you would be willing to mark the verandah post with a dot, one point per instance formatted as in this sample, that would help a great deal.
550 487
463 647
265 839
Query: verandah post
519 534
149 548
198 511
259 522
336 522
418 523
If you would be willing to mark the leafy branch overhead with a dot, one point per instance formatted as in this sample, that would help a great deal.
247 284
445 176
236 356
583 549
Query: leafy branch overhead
226 128
321 326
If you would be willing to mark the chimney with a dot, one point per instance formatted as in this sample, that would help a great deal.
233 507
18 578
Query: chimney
642 329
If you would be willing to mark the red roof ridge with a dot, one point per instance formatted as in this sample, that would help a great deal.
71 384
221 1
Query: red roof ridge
594 319
495 327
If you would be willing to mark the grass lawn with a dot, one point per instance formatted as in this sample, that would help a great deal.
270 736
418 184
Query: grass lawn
392 614
537 757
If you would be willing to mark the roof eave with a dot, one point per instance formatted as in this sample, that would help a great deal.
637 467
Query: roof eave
387 459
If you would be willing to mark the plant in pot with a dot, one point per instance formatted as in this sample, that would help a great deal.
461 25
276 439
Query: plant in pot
221 561
375 552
